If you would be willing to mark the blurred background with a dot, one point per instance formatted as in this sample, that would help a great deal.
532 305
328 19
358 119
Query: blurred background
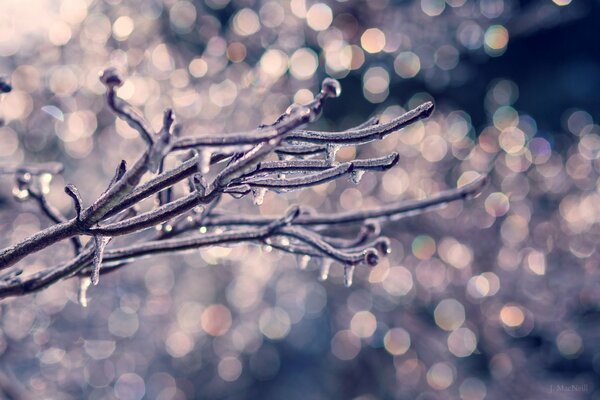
494 298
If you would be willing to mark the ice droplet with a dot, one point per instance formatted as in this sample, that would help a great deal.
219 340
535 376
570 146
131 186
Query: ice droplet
331 152
258 195
348 275
303 261
84 284
325 267
356 176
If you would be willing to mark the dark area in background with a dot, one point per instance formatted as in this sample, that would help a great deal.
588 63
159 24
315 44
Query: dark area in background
556 69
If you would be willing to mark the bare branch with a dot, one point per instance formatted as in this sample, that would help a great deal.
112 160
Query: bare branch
73 193
244 170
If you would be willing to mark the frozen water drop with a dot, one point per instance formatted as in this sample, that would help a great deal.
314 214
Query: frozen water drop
258 196
325 267
331 152
303 261
348 275
84 284
356 176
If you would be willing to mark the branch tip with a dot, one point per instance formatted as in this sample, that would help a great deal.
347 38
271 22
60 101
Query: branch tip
72 191
110 78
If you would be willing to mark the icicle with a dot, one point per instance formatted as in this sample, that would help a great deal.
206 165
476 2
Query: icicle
303 261
325 267
356 176
84 284
100 243
348 275
258 195
204 161
332 150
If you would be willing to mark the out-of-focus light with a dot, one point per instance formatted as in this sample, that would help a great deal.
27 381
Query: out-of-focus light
440 376
179 344
396 341
462 342
472 389
376 81
470 35
122 27
64 81
505 92
236 52
223 94
449 314
398 281
562 3
434 148
182 16
274 323
73 12
229 368
536 261
246 22
345 345
491 8
303 64
497 204
455 253
363 324
130 386
579 122
569 343
407 64
216 320
512 316
373 40
162 59
423 247
298 7
506 117
319 17
433 7
272 14
59 33
446 57
274 63
9 140
198 67
303 96
496 40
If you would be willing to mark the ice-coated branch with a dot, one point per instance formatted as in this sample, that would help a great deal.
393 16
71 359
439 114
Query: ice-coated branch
365 134
111 79
234 164
401 209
